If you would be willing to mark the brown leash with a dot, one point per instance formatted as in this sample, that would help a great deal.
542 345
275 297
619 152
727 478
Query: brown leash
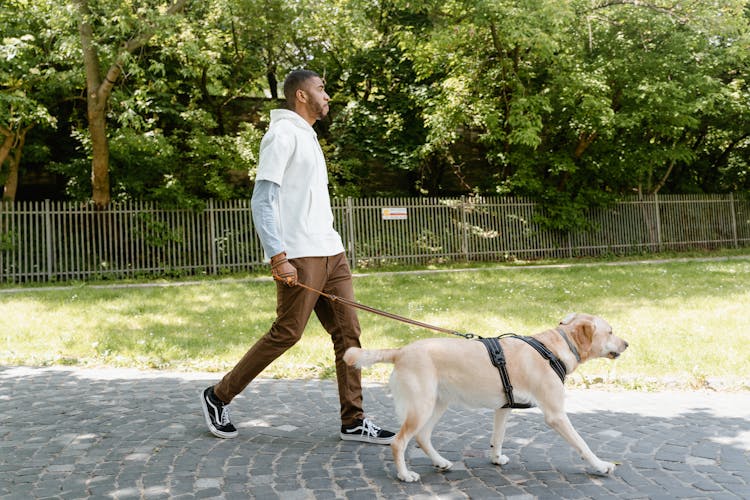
357 305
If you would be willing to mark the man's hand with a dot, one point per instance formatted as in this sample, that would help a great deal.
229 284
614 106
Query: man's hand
282 270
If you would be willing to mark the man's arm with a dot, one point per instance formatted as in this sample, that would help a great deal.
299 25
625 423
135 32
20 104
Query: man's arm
266 223
264 198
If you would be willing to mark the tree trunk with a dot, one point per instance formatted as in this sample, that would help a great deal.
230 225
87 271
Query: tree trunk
273 83
96 100
5 147
11 150
11 183
100 194
584 141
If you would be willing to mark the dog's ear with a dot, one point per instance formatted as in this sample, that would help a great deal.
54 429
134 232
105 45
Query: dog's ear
583 336
568 319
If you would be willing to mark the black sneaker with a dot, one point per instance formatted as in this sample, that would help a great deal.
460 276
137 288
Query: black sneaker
367 432
217 415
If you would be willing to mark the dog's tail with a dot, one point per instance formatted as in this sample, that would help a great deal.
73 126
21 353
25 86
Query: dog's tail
354 356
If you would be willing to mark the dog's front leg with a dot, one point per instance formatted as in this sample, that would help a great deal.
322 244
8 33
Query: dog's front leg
561 423
498 436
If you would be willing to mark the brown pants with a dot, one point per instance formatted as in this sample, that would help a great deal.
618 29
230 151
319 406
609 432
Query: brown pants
293 308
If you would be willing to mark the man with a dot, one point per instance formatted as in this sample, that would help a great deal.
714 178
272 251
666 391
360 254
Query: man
292 215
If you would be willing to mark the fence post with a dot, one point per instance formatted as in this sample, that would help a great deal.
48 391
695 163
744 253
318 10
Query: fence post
349 219
464 229
735 239
3 206
570 244
658 223
48 241
212 236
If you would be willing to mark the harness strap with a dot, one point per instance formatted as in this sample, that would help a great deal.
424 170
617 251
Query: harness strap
498 359
570 344
554 361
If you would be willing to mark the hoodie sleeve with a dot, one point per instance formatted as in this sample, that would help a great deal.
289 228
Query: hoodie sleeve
276 149
265 216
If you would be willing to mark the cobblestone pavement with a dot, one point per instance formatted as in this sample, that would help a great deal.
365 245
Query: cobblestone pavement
76 433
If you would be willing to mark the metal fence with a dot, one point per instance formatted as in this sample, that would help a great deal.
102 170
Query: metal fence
54 241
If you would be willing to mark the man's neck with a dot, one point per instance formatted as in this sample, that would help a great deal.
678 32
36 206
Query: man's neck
308 118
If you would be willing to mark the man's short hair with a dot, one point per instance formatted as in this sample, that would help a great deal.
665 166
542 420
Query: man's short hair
294 82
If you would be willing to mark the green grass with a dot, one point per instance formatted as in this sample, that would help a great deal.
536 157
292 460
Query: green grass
687 322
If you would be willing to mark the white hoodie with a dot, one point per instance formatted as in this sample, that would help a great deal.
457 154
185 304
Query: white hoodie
290 156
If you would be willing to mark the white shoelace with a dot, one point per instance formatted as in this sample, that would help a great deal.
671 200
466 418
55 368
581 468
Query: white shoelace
224 417
369 428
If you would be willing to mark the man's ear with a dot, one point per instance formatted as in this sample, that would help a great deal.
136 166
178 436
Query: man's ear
301 95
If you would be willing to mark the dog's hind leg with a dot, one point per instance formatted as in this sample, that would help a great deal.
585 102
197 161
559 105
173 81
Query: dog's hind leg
415 399
498 436
413 422
424 437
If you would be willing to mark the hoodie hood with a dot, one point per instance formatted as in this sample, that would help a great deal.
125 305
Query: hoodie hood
285 115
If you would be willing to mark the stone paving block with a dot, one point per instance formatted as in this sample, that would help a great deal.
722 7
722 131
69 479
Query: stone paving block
351 483
208 493
324 494
263 492
287 485
741 490
707 486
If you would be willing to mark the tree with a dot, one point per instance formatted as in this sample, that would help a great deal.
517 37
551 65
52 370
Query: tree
674 76
572 104
577 103
129 33
27 80
180 134
376 129
22 115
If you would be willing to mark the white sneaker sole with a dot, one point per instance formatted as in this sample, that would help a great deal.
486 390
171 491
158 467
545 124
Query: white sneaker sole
366 439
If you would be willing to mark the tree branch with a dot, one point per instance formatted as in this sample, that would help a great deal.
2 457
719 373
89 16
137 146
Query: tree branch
670 11
131 46
584 141
722 158
663 180
6 146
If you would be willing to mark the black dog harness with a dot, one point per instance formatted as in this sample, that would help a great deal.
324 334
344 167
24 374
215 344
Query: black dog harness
498 359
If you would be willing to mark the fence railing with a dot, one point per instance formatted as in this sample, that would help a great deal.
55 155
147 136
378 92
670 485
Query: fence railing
56 241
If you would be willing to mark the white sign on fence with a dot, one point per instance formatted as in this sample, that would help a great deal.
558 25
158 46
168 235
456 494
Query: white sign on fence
394 213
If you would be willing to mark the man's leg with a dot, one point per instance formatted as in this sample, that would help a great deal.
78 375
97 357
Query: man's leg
341 322
293 308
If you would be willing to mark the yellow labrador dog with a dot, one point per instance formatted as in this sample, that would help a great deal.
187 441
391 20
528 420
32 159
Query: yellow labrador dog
431 374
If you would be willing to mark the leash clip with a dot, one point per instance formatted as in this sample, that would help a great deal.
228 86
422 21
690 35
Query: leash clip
467 335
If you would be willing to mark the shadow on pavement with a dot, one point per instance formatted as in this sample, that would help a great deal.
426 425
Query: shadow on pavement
75 433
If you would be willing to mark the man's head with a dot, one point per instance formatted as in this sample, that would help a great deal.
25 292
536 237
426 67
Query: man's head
305 93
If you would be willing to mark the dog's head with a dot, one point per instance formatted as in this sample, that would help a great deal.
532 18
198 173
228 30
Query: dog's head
593 336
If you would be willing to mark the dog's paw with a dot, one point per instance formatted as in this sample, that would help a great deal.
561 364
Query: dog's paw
408 476
443 464
500 459
604 467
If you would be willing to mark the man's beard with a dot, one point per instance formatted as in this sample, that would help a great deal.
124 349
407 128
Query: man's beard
320 111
